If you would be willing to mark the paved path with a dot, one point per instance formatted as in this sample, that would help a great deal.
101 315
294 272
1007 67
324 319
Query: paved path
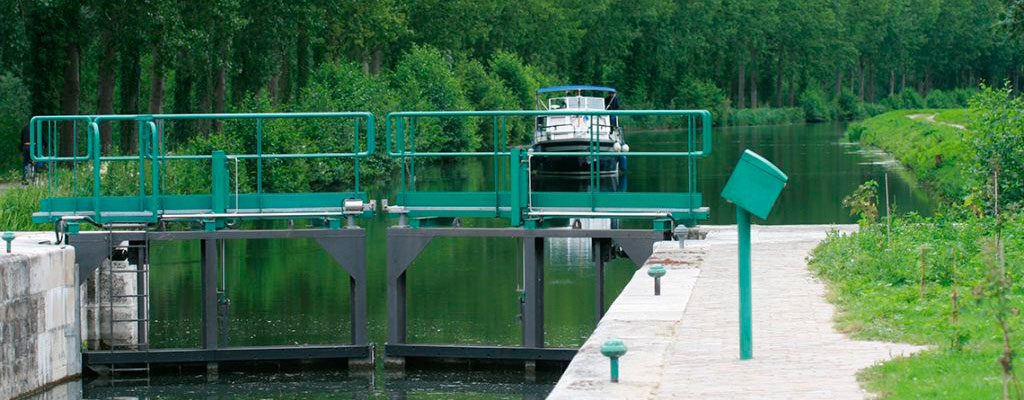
684 344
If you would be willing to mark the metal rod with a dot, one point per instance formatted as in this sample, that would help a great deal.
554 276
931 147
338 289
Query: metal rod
746 304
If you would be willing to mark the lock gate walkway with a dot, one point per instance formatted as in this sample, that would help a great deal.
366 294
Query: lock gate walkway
684 344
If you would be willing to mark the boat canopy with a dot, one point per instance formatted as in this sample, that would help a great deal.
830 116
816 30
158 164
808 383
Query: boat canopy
575 87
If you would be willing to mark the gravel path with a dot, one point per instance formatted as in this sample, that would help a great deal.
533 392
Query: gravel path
685 345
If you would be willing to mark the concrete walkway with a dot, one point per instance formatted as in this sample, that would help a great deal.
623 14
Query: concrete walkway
685 343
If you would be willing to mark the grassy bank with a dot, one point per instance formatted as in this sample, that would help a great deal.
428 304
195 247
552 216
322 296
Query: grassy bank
884 292
936 152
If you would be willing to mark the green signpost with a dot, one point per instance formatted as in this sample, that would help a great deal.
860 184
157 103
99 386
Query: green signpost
753 187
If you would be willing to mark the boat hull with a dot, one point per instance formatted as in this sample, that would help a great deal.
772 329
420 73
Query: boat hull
610 161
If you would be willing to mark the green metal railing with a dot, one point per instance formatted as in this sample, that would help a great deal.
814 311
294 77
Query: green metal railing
149 204
513 197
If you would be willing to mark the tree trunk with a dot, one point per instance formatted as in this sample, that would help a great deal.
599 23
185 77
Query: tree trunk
860 72
838 87
220 86
301 62
366 64
131 71
754 80
927 81
741 90
778 84
205 94
69 99
892 81
792 92
105 97
903 80
284 92
156 84
872 83
378 58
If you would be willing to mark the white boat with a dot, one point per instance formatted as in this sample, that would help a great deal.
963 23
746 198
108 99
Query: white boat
582 133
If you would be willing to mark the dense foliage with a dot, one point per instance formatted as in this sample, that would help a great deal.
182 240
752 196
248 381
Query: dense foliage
831 59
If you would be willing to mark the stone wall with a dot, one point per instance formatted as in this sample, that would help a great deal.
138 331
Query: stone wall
39 337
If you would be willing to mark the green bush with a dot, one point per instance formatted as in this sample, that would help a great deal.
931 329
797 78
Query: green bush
344 87
486 91
873 109
766 116
939 99
816 107
998 144
850 107
424 81
694 93
14 114
907 99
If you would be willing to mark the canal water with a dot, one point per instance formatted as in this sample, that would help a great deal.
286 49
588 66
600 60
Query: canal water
465 290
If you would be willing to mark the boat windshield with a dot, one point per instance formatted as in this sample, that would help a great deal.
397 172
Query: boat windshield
576 103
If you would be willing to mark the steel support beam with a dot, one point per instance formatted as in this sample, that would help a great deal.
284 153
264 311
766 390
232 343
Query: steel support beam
533 286
208 267
601 249
480 352
261 353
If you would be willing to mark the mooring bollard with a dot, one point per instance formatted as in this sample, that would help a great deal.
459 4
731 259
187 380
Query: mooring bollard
680 233
8 237
613 349
656 272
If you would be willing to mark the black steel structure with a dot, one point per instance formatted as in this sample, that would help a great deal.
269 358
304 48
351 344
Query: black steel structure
405 244
346 246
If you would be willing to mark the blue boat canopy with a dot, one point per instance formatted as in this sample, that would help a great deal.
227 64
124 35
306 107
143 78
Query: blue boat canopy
575 87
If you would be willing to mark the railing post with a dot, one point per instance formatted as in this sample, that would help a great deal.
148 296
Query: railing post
517 189
219 184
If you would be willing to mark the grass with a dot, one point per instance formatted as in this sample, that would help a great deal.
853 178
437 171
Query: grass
875 281
937 154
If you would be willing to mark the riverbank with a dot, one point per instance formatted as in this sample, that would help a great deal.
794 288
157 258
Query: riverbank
932 143
685 343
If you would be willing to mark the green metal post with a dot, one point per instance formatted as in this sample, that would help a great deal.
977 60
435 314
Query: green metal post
219 184
154 203
746 334
94 132
8 237
516 213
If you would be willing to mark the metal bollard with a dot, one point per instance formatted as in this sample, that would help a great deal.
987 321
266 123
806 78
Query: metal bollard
656 272
613 349
680 233
8 237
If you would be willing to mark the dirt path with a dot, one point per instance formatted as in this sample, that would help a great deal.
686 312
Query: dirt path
931 118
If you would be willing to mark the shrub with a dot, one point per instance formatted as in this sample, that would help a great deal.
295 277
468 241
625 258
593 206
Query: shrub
907 99
849 106
424 81
998 133
344 87
14 113
694 93
766 116
486 91
816 108
939 99
873 109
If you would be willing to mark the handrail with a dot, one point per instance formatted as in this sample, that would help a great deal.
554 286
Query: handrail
390 127
151 148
